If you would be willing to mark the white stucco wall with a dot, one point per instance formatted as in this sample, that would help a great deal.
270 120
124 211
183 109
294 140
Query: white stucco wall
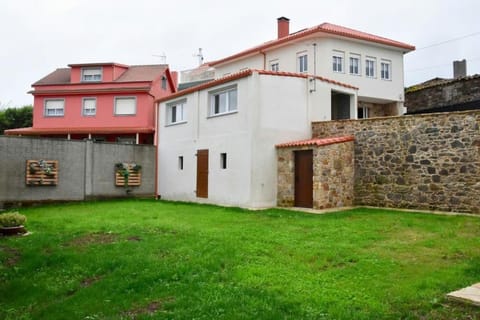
373 89
223 134
264 118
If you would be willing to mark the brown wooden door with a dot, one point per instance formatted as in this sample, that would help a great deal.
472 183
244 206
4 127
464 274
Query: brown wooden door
304 178
202 173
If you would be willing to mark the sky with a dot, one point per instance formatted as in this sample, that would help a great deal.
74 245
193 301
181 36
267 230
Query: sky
39 36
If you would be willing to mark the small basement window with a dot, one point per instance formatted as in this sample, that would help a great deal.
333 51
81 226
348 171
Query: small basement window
180 162
223 161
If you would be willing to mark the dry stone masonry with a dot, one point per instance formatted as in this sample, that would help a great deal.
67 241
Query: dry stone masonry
429 161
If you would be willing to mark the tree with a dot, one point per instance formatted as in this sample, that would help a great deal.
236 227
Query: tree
12 118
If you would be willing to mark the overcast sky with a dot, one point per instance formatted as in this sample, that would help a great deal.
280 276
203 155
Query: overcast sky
38 36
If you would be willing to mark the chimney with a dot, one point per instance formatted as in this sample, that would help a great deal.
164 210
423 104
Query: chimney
283 27
459 69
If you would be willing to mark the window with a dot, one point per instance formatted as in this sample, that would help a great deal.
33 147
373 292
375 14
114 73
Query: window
370 64
355 64
363 113
223 161
274 65
91 74
176 112
89 106
164 83
54 108
385 67
180 162
125 106
224 101
127 140
337 61
302 62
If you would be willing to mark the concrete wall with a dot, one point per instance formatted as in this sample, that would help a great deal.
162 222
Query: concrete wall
86 169
427 161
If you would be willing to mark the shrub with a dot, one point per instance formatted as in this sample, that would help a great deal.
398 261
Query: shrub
12 219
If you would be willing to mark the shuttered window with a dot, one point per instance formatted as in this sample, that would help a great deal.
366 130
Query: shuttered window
125 106
54 108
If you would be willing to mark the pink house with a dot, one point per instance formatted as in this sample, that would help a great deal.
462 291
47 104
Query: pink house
100 101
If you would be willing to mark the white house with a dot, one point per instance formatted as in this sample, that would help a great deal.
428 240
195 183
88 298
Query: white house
371 63
216 141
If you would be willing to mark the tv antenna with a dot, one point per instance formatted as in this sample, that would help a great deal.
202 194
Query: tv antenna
163 57
199 55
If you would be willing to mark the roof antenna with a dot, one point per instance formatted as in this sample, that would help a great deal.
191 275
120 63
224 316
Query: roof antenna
199 55
163 57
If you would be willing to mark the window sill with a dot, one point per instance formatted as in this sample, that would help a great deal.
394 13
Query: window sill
45 116
222 114
175 123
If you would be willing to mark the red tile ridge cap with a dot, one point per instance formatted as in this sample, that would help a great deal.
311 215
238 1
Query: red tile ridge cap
324 27
205 85
316 142
246 73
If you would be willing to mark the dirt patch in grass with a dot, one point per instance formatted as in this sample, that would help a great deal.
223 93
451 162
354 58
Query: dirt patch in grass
87 282
93 238
149 309
134 238
12 256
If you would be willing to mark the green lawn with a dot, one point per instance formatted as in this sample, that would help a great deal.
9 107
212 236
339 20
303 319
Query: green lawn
144 259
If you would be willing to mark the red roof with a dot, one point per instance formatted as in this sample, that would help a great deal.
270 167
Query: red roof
138 73
246 73
78 130
327 28
316 142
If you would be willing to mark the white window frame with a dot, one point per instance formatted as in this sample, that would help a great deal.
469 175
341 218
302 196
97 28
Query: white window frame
230 106
355 64
57 111
115 112
302 62
386 69
338 61
370 71
179 107
86 113
365 112
274 65
92 74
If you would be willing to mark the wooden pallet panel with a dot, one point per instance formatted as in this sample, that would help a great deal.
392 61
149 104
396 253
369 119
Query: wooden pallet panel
36 175
134 177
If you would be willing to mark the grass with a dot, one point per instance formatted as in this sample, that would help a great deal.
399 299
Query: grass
144 259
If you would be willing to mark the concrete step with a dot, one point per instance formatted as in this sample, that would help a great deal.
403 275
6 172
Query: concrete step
470 295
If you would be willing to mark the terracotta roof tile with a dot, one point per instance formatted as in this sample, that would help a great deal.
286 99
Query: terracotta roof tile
246 73
59 76
322 28
136 73
142 73
316 142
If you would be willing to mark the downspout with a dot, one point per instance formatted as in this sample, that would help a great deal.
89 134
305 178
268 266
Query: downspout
264 59
155 143
314 68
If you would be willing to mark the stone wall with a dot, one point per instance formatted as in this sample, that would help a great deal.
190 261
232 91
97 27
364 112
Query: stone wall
332 175
429 161
85 169
443 93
